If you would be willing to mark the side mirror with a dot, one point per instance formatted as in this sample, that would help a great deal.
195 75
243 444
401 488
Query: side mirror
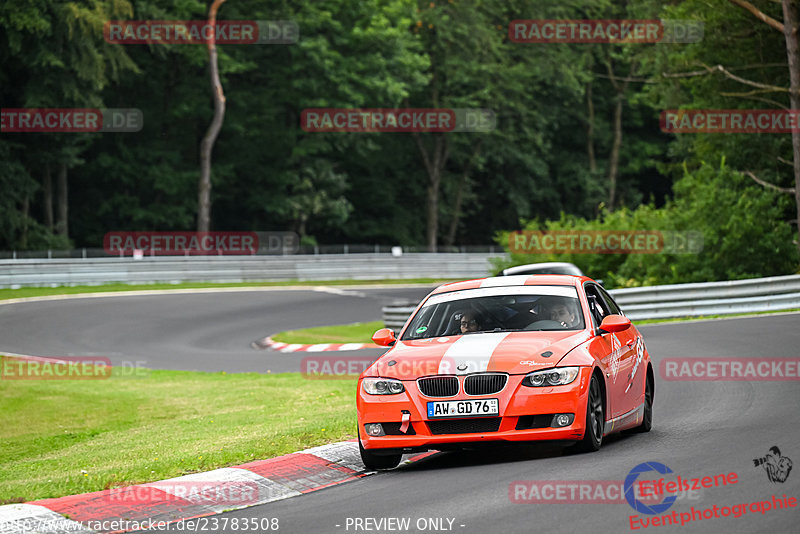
385 337
615 323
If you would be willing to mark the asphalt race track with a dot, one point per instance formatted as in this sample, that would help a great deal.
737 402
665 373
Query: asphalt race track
701 428
192 332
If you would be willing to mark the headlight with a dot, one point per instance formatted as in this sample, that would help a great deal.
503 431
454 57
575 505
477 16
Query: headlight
551 377
382 386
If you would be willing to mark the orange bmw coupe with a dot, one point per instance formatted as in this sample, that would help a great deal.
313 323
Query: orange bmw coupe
505 359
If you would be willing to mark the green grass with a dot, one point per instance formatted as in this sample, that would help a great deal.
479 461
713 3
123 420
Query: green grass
346 333
125 430
26 292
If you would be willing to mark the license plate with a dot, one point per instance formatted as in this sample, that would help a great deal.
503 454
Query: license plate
463 408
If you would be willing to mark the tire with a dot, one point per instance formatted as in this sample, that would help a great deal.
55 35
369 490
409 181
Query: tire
595 419
377 461
647 420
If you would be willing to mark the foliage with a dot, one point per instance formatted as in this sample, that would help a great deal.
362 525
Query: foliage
270 174
744 229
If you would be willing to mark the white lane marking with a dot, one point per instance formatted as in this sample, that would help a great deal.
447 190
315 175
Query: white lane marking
351 346
34 518
225 489
470 353
337 291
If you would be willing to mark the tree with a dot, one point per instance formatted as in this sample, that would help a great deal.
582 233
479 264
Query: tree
204 186
737 63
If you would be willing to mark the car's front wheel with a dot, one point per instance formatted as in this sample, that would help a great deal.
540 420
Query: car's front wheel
595 419
647 420
378 461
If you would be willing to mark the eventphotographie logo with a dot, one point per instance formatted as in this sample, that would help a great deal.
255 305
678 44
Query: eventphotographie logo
638 504
776 466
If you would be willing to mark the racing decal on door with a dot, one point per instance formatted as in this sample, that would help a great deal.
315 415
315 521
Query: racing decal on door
616 354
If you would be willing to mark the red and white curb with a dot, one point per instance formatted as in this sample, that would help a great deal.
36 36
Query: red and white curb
157 504
269 343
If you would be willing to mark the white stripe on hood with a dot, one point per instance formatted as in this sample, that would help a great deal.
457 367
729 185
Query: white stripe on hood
470 351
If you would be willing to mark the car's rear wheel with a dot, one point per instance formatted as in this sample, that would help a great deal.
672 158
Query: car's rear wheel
595 419
647 420
377 461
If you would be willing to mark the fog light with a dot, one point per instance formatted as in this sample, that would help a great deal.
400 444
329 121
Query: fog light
562 419
374 429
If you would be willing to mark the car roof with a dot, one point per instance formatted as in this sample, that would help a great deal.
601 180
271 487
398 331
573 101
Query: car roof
521 269
514 280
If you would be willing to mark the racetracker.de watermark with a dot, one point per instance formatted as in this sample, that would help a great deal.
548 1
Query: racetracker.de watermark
371 120
139 244
730 369
605 242
133 32
583 492
730 121
233 493
70 120
605 31
57 368
334 367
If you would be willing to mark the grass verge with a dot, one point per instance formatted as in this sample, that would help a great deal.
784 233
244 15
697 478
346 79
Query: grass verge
345 333
63 437
26 292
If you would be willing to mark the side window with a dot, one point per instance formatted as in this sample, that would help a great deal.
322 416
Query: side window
612 306
597 306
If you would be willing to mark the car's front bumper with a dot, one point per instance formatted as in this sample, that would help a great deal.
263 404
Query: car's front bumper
525 415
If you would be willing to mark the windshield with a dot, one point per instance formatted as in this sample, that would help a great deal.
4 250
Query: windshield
547 269
500 309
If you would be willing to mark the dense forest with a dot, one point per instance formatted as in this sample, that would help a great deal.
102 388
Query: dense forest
577 142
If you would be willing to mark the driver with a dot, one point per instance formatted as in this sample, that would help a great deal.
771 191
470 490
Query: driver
470 322
565 314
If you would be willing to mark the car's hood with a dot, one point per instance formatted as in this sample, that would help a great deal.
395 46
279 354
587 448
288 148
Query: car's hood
509 352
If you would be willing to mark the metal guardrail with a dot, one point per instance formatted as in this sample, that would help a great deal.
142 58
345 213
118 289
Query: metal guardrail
315 250
171 269
710 298
681 300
